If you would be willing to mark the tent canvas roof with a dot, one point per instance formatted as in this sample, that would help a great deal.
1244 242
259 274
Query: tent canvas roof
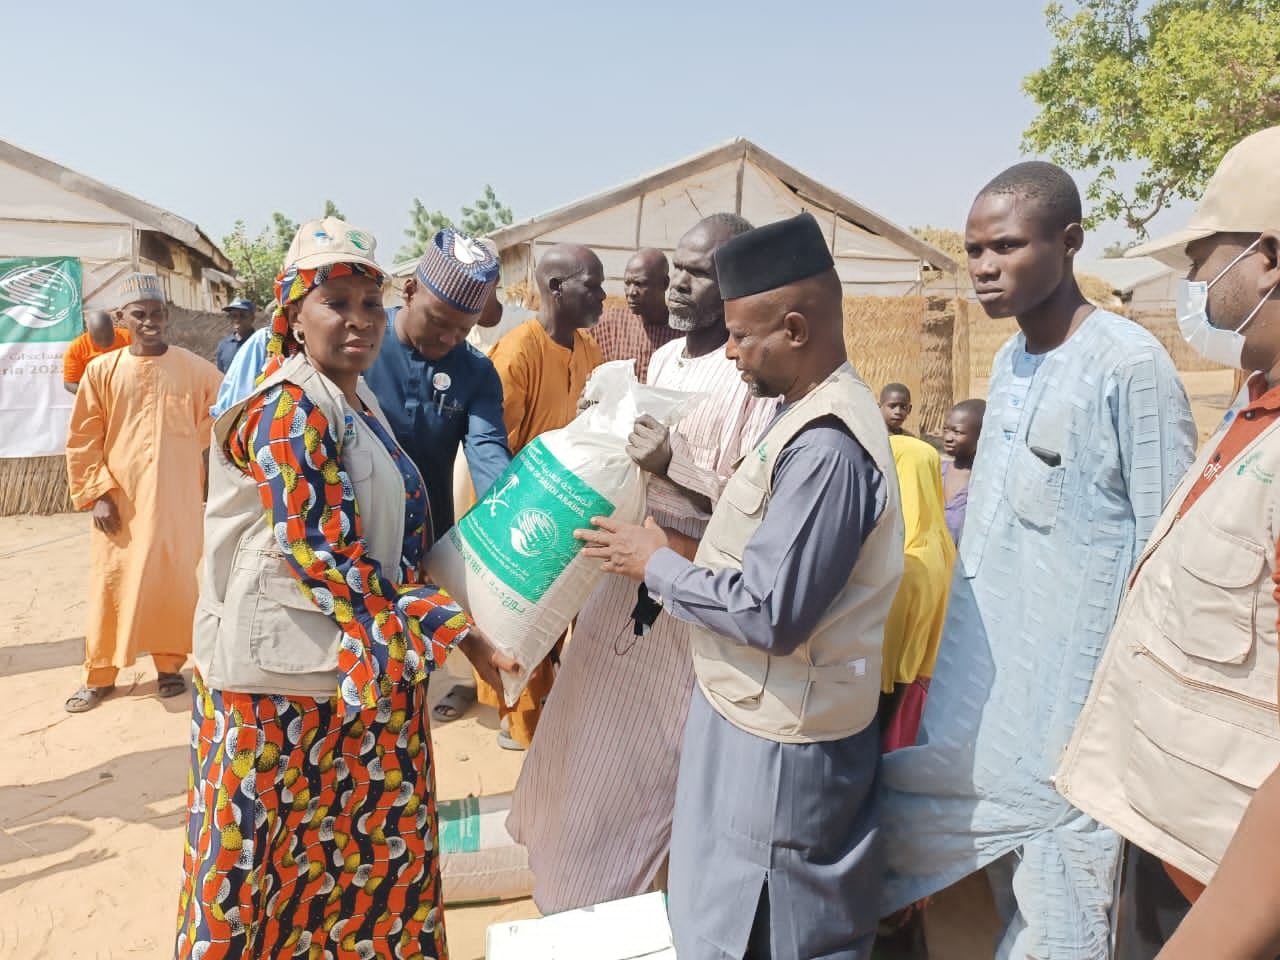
1125 273
146 214
805 187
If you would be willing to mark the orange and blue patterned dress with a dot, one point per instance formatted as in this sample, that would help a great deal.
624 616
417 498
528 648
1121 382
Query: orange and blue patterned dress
311 825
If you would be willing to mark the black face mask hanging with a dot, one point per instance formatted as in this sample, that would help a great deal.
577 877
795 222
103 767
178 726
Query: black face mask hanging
643 617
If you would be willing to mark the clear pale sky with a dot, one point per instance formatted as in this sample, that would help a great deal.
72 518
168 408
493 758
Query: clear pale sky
236 109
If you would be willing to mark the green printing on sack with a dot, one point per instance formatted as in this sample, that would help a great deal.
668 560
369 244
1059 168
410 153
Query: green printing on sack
522 531
459 825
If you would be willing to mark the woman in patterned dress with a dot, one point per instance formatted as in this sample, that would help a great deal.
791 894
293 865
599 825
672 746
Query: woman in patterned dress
311 819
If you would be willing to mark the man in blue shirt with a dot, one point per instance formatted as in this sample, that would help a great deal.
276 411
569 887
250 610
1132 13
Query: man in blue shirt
242 375
437 391
242 313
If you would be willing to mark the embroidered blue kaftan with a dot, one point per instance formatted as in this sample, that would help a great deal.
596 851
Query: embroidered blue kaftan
1081 447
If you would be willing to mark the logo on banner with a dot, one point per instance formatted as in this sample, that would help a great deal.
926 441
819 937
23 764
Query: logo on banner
39 300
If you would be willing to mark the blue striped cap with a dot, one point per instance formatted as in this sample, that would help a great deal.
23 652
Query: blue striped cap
459 270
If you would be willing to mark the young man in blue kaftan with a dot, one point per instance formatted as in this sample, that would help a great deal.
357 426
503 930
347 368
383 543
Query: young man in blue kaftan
1088 430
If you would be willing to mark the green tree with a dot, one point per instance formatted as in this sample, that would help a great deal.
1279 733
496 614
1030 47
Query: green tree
480 219
487 215
1169 85
256 260
423 225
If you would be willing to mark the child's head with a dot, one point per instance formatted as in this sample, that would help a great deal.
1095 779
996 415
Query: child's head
961 430
895 406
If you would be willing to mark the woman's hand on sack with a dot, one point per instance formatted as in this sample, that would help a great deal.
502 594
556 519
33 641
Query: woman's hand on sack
624 547
650 446
489 661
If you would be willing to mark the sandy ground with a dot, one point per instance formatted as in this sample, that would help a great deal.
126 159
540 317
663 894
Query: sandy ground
91 806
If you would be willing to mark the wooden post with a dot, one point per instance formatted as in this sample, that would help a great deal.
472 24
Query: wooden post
936 368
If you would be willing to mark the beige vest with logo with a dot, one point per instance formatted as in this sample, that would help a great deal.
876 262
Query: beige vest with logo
1180 727
255 630
829 686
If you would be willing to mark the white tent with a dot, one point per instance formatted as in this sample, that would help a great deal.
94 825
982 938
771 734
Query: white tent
873 256
47 210
1143 284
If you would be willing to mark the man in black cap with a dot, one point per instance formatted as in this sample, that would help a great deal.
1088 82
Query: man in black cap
787 599
241 313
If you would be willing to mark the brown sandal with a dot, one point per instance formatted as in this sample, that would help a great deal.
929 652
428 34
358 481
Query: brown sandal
170 685
86 698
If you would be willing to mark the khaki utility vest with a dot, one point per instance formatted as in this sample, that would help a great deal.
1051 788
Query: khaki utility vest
829 686
255 630
1180 727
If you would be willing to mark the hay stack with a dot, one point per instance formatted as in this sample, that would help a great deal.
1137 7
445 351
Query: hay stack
37 485
907 340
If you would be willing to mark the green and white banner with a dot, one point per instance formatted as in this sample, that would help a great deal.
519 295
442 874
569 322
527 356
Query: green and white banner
40 314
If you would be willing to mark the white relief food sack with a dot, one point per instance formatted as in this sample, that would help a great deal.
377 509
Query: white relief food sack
512 561
479 862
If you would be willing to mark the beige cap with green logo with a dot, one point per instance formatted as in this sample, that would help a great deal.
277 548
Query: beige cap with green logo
330 240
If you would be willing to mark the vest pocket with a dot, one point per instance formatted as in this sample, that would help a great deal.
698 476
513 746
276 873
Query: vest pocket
741 681
747 501
1212 615
287 632
1033 488
1190 773
357 463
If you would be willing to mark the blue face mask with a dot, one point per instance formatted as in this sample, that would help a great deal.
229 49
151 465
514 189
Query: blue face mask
1216 344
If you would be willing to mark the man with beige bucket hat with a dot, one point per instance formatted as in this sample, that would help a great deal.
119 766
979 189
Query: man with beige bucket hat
1178 745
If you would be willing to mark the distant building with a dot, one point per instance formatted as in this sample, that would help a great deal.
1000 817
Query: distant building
1145 290
48 210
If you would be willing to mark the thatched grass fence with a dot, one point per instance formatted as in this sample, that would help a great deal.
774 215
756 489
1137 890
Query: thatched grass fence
33 485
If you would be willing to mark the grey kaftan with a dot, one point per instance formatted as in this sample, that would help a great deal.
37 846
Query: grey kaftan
798 822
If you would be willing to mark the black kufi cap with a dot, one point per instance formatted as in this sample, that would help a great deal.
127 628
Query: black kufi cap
772 256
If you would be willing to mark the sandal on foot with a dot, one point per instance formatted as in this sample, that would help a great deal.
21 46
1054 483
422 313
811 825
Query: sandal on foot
453 704
86 698
170 685
508 742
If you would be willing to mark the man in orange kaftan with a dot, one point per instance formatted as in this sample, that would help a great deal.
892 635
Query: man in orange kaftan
140 424
543 364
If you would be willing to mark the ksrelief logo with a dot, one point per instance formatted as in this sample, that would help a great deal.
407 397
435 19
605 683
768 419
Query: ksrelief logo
40 299
534 532
38 296
360 240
